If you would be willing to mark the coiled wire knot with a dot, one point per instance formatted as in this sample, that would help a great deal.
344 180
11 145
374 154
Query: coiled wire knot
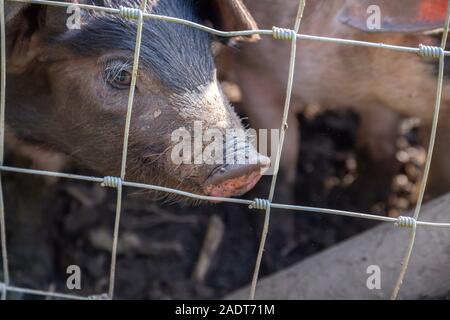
103 296
284 34
430 51
260 204
130 13
111 182
406 222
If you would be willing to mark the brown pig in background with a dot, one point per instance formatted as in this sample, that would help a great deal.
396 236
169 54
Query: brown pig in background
380 85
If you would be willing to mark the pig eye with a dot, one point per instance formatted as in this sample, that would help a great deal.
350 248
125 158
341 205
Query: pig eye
123 78
117 74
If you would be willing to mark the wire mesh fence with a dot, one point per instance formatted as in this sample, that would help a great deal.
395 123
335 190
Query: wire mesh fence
263 203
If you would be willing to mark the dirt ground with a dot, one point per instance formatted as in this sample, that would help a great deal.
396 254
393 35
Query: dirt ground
52 224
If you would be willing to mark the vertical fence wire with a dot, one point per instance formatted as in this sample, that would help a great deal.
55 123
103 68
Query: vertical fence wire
2 139
284 127
137 50
423 186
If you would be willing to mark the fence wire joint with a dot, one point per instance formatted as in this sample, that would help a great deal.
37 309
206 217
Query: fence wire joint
130 13
406 222
260 204
111 182
103 296
430 51
284 34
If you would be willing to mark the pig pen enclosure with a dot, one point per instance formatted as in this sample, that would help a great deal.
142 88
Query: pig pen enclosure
165 260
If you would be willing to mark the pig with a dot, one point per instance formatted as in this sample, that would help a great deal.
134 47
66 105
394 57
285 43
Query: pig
67 90
382 86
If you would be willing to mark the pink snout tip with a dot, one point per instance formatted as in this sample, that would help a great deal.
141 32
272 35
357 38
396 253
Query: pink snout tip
238 180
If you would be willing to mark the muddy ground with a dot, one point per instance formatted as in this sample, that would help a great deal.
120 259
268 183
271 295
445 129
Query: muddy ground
53 224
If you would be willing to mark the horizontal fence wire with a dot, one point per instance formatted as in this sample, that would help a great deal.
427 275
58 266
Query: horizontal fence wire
247 202
140 15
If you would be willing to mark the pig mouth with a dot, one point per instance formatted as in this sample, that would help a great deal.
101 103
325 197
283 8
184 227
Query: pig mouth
234 183
233 187
224 181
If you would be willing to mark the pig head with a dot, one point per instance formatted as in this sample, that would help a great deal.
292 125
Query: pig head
380 85
67 90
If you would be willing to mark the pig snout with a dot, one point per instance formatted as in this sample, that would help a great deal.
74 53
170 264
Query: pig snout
235 180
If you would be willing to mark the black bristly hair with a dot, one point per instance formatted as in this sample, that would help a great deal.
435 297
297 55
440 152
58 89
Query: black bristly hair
180 56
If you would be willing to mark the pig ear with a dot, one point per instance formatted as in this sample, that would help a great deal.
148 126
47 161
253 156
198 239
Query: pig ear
12 9
394 15
231 15
28 29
